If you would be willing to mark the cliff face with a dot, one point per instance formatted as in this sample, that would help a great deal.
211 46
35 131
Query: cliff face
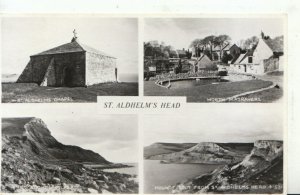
263 166
39 141
205 152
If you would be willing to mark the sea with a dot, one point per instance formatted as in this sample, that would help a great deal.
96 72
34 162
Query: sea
158 176
133 170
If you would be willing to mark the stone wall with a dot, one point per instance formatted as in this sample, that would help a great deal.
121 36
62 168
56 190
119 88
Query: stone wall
70 69
271 64
66 65
100 69
35 70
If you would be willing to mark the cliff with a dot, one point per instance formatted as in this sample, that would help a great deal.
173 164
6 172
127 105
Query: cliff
34 161
262 167
207 152
40 141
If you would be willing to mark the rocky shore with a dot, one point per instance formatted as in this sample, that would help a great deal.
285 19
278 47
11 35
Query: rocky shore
21 173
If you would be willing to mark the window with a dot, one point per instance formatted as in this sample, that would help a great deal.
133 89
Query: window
250 59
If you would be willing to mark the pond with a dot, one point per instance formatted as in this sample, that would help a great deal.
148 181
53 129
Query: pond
190 83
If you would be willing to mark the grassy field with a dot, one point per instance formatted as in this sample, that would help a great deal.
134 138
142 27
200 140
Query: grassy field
29 92
267 96
205 93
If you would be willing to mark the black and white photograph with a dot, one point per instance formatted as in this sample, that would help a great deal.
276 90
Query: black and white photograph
215 59
78 154
68 58
215 152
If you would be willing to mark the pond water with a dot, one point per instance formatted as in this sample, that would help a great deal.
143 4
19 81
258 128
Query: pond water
159 175
193 82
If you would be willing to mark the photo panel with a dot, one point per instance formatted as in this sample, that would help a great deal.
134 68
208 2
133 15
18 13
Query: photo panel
215 59
70 153
68 58
214 151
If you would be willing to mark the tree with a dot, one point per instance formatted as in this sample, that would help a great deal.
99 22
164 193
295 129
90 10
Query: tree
148 49
210 41
249 42
226 57
166 54
222 41
196 42
198 45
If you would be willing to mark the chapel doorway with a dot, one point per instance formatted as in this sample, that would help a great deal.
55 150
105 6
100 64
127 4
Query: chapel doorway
67 77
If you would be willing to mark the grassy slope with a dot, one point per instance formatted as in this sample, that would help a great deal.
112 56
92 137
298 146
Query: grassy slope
270 95
28 92
202 93
166 148
238 147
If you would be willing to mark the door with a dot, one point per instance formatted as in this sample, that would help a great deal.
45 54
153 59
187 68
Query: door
67 77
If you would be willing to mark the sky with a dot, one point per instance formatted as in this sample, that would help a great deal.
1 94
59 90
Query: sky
25 36
180 32
227 123
111 136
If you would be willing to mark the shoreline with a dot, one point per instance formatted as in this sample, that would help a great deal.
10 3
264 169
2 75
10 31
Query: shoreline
110 166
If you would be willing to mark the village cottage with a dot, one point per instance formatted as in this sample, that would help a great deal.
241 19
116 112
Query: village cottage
202 63
72 64
218 52
265 56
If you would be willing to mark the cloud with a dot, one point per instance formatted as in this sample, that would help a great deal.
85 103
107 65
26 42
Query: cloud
25 36
104 134
180 32
226 123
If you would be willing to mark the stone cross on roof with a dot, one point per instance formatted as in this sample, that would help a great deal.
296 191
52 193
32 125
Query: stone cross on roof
75 36
75 33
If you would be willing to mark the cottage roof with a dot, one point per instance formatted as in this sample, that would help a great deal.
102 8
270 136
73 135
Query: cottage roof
276 44
239 59
248 53
71 47
204 62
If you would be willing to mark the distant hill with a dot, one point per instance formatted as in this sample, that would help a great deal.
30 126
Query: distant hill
165 148
204 152
9 78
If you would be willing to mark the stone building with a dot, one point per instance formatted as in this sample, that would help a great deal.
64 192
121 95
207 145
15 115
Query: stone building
71 65
265 56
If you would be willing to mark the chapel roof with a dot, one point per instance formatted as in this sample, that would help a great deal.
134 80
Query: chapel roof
73 46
